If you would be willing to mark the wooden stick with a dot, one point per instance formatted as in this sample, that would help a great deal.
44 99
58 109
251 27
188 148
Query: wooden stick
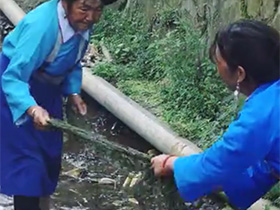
98 140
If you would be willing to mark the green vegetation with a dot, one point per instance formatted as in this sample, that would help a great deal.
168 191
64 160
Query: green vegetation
163 65
274 195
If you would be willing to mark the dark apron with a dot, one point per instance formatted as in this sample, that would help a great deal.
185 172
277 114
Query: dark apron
30 159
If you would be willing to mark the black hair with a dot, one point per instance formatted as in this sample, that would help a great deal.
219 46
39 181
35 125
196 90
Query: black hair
252 45
104 2
107 2
69 3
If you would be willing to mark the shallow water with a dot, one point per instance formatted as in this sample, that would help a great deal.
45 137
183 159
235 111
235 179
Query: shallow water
80 189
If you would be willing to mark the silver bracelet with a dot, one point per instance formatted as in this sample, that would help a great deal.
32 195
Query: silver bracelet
33 112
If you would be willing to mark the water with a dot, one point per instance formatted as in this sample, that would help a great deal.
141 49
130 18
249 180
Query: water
80 189
99 120
93 182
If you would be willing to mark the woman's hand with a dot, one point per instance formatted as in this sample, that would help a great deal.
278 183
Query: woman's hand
163 165
40 117
77 103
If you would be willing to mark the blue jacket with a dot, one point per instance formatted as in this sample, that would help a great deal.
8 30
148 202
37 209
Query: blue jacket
28 47
242 162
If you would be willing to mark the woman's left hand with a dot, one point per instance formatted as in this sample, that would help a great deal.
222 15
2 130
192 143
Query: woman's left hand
77 103
163 165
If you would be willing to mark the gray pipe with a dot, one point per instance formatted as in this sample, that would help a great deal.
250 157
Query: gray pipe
136 117
12 11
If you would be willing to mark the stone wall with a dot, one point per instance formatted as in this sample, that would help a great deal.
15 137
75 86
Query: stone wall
218 13
210 15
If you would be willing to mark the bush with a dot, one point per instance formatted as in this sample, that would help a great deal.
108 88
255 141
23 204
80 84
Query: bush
168 54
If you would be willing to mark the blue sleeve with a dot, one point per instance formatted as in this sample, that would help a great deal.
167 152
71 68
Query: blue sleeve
31 49
73 81
244 144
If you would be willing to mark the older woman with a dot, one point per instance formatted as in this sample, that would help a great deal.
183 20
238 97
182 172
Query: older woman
246 162
40 63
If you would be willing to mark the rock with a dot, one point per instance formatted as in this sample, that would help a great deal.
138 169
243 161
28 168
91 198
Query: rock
76 173
118 203
276 20
253 7
214 20
133 200
201 7
108 181
267 9
190 7
5 202
230 11
262 205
